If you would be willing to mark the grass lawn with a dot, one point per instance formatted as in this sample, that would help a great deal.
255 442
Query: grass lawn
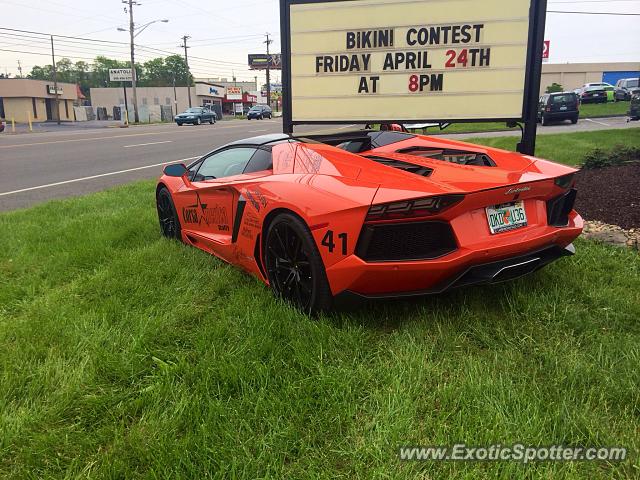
126 355
568 148
588 110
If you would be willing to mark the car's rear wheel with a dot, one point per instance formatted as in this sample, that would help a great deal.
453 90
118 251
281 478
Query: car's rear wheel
167 215
294 266
574 119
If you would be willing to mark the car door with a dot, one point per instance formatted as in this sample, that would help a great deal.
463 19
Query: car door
209 199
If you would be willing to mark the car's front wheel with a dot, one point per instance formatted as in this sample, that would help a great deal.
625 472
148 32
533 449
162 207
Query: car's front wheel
294 267
198 121
179 124
544 121
167 215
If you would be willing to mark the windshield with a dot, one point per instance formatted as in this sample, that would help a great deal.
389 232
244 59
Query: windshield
632 83
567 98
193 110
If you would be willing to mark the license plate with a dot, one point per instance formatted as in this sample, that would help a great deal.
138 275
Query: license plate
596 94
508 216
563 108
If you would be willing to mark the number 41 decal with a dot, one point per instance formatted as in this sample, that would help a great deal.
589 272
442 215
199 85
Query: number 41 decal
327 241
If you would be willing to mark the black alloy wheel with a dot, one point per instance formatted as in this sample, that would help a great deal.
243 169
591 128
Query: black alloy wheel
294 266
167 215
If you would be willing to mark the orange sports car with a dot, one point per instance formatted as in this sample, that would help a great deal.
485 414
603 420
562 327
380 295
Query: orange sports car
370 214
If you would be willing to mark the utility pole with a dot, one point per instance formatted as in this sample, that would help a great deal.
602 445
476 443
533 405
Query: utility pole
20 68
55 81
136 118
268 42
186 61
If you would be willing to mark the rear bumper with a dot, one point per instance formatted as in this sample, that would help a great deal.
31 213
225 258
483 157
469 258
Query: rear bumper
477 260
559 115
481 274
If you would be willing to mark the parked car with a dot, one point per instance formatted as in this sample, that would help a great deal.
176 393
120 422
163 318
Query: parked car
623 88
259 112
593 95
558 106
370 214
1 126
196 116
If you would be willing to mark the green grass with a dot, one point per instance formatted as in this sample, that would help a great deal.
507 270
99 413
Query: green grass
590 110
568 148
125 355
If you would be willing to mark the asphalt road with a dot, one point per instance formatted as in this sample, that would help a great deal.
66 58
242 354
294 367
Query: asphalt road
43 166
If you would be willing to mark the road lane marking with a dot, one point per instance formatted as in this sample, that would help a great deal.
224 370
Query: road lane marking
107 137
145 144
599 123
257 131
74 180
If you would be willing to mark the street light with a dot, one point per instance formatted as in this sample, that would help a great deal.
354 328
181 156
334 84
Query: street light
142 27
133 33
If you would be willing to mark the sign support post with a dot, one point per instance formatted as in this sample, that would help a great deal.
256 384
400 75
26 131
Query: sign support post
532 86
124 89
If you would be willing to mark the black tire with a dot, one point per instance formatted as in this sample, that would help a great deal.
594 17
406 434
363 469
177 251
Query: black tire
211 121
544 122
260 117
574 120
179 124
294 266
167 215
198 121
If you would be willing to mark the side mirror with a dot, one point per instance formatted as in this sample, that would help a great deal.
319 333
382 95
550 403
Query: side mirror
175 170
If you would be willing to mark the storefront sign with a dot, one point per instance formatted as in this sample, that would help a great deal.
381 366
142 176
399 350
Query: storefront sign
234 93
120 75
51 90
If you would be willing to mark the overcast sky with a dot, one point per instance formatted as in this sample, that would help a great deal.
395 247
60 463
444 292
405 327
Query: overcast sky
223 33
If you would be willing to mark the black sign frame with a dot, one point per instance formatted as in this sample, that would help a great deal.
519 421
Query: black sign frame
533 72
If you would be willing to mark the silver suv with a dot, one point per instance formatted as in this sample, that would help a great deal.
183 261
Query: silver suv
623 88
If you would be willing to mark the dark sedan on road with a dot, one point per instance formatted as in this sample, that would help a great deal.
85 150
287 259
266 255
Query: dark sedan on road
259 112
196 116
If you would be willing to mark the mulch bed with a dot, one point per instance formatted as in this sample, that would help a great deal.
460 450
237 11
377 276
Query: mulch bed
610 195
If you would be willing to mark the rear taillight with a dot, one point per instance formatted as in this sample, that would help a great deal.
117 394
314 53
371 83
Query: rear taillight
421 207
548 109
566 181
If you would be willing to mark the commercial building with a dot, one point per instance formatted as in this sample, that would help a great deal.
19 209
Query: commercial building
23 99
202 93
574 75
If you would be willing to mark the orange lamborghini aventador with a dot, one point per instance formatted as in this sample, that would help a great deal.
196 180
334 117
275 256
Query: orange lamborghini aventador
370 213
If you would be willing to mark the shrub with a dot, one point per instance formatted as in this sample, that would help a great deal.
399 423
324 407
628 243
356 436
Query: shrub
599 158
554 87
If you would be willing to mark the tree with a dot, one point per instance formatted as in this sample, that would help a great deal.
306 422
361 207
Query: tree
554 87
162 72
157 72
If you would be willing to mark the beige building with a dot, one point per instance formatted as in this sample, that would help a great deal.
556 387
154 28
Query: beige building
23 99
202 93
574 75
